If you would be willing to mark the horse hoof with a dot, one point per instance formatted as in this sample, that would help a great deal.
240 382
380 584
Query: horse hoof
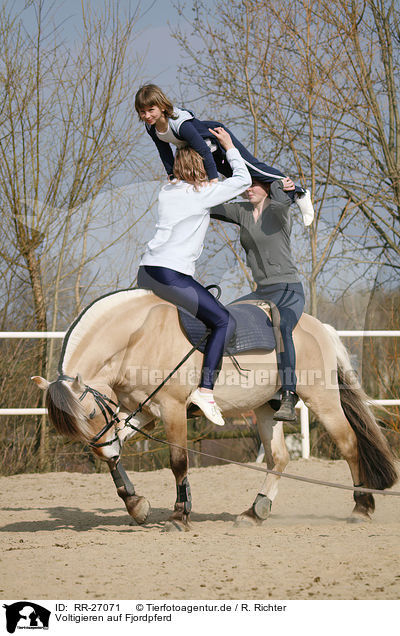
357 518
176 526
244 521
140 511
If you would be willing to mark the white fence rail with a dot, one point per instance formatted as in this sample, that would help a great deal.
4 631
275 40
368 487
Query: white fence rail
304 413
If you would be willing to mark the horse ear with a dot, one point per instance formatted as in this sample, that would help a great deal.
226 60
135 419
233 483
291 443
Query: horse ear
78 385
40 382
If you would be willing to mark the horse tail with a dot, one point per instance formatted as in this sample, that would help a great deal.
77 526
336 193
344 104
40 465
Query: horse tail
376 462
66 412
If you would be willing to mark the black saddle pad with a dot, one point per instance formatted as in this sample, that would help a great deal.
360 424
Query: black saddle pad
253 329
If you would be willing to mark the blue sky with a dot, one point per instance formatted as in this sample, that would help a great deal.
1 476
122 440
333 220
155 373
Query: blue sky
162 52
155 19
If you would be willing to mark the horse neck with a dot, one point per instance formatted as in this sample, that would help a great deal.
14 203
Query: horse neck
100 351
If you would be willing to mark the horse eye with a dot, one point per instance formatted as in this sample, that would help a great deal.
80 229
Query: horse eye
92 414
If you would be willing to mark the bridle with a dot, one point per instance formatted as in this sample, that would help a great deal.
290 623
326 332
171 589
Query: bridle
110 416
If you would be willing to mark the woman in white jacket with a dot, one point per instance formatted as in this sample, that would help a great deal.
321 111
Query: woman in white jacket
168 264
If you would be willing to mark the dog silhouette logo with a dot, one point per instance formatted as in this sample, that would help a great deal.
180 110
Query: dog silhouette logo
26 615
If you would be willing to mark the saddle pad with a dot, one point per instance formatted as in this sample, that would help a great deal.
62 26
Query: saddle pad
253 329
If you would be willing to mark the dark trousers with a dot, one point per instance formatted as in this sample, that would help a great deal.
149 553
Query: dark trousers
258 170
182 290
289 299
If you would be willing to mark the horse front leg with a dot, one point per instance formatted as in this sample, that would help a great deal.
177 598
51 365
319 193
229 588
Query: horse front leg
175 422
277 457
138 507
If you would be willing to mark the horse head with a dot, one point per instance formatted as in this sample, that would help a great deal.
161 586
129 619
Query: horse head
79 411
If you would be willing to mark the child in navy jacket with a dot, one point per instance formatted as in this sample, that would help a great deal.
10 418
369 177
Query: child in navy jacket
168 125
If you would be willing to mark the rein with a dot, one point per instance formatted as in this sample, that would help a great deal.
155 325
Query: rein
102 401
268 471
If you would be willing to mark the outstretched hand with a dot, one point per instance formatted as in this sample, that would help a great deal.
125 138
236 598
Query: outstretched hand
288 184
223 137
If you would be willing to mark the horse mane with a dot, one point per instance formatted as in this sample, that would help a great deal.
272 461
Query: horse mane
66 413
86 320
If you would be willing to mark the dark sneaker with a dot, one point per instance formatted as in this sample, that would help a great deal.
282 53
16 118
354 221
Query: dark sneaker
287 411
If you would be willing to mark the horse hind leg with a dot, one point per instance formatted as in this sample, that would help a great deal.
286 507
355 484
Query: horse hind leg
277 457
138 507
364 507
326 406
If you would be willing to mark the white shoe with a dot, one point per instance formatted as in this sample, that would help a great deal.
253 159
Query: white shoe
306 207
207 404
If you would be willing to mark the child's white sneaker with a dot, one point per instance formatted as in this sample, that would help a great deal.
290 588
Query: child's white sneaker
206 402
306 207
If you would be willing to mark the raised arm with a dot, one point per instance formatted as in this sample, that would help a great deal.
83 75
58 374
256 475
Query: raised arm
216 193
189 133
279 191
240 180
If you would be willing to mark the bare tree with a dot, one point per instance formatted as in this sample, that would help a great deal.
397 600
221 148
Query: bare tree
284 74
67 128
369 175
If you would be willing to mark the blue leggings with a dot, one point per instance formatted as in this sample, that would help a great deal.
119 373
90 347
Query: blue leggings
182 290
258 170
289 299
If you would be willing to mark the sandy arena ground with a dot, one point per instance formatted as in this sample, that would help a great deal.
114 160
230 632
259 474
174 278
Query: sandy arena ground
68 536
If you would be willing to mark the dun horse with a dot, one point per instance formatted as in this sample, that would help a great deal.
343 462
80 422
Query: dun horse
123 344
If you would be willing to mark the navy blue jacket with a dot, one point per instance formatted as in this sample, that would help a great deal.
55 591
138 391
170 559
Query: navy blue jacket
195 132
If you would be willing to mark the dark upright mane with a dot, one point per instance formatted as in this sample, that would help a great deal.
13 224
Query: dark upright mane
66 412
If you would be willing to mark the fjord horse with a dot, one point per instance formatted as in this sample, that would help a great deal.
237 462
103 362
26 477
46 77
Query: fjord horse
122 345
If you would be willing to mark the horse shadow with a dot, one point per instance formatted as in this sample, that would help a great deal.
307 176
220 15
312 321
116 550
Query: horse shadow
78 520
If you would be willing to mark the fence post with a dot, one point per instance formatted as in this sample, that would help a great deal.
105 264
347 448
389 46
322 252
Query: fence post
305 431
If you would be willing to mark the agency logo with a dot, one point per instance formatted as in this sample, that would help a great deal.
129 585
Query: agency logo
26 615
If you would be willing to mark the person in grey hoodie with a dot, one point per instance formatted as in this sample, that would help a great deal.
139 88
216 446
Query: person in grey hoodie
265 224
